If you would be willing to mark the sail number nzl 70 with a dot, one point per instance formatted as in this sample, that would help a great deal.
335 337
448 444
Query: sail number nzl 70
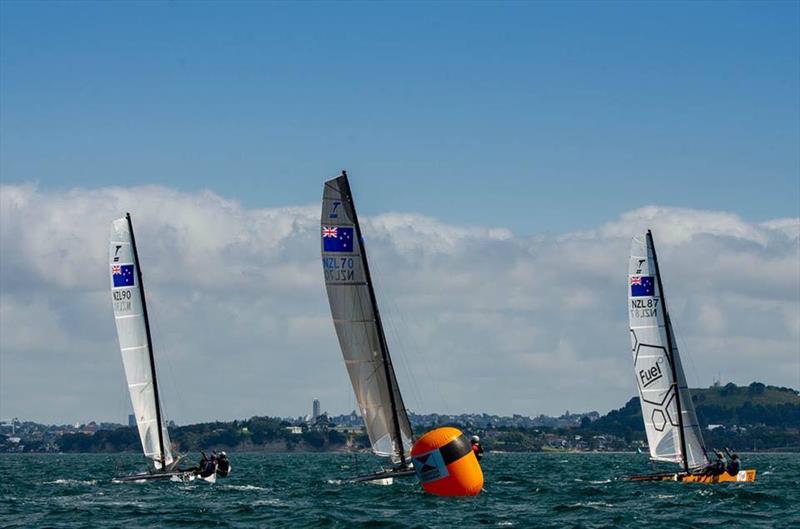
338 268
644 308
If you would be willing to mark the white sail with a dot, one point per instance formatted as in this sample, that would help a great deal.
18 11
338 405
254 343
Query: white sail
659 372
132 333
357 324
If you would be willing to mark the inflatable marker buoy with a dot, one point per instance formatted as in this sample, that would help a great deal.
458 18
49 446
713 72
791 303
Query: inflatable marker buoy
445 464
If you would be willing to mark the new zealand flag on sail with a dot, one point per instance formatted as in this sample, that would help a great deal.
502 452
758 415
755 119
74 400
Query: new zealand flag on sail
123 275
642 286
337 239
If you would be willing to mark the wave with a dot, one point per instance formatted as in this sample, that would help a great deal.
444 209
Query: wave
244 487
71 482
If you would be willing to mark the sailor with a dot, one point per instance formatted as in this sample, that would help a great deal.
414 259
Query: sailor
715 468
207 465
477 449
223 464
733 464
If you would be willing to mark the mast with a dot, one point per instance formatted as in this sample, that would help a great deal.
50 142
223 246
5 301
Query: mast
387 364
149 345
668 327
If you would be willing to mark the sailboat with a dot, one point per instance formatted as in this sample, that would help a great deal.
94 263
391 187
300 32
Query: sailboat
136 346
357 320
673 431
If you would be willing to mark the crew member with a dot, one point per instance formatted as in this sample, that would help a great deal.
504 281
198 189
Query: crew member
207 465
223 464
715 468
477 449
733 464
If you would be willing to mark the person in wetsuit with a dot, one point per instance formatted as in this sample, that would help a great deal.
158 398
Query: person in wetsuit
733 464
477 449
715 468
207 465
223 464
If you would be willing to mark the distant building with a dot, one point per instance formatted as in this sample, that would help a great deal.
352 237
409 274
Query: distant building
321 423
315 409
296 430
344 428
131 420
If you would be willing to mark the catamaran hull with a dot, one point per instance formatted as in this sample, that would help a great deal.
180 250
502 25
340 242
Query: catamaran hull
743 476
160 476
385 477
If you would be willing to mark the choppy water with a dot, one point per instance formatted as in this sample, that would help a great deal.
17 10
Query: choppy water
300 490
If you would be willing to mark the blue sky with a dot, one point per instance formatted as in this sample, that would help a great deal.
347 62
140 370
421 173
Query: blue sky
538 117
501 154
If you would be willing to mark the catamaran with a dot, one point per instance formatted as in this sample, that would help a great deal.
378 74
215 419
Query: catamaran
361 337
136 346
670 421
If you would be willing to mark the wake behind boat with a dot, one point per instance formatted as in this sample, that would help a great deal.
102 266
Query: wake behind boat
357 320
136 346
670 421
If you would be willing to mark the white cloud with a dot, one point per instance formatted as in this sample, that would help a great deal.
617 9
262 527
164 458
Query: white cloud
483 320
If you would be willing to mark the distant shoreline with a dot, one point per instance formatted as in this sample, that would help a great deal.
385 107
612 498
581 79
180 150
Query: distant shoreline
306 452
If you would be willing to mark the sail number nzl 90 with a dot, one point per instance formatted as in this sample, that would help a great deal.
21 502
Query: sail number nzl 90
122 300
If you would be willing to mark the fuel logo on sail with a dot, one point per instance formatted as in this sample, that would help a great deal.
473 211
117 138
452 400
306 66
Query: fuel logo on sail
648 376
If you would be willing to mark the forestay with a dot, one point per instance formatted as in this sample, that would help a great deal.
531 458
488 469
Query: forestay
126 295
671 424
357 322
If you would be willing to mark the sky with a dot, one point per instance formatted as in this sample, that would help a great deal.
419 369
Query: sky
501 156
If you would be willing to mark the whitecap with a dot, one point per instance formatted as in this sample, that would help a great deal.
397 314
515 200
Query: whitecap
272 502
244 487
72 482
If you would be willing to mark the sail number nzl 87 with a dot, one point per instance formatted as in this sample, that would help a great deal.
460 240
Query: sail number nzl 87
644 308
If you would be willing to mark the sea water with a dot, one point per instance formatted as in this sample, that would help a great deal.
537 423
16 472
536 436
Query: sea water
303 490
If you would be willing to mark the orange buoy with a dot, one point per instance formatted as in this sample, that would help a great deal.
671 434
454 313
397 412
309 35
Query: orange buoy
445 463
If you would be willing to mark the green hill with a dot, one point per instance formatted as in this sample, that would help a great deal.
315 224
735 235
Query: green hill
755 415
733 396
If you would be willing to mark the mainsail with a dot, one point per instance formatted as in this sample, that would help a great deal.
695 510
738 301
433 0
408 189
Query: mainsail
673 432
133 331
358 324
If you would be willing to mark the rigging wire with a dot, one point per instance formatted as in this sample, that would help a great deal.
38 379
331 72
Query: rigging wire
161 355
685 351
682 346
389 318
402 332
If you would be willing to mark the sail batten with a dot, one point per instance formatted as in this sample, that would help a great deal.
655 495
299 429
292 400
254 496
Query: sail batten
132 333
357 324
673 432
